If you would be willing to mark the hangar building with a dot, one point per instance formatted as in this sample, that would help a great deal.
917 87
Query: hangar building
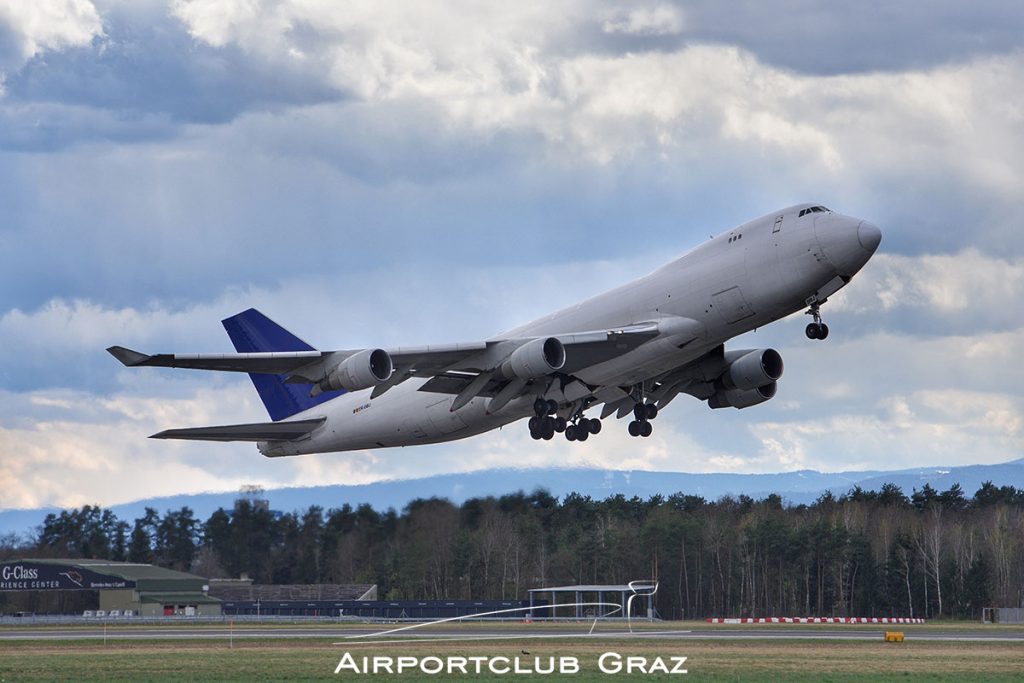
141 589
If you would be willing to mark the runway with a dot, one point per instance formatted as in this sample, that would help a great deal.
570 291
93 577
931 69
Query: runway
376 635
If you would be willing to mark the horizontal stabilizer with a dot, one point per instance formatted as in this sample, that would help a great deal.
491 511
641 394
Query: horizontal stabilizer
260 431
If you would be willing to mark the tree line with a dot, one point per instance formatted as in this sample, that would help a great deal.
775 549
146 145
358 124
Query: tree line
865 553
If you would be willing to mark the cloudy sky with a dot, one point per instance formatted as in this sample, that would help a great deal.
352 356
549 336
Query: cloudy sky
384 173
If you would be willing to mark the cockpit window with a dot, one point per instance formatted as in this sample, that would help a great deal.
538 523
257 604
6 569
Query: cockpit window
813 209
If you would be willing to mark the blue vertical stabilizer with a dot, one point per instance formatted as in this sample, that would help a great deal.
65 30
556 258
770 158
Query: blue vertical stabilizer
253 332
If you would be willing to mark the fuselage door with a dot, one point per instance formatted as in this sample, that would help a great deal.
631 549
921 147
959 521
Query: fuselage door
732 305
778 224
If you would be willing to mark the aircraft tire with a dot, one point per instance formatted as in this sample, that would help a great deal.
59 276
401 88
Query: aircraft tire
822 331
534 423
560 424
570 433
594 426
582 435
812 330
650 411
552 406
638 411
634 428
646 429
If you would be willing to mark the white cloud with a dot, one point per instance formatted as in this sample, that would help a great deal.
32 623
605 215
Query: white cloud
922 428
501 68
40 25
86 449
965 282
656 20
79 448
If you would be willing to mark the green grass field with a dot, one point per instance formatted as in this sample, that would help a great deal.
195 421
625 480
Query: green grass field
265 659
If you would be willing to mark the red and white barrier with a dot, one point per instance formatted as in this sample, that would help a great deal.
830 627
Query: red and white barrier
815 620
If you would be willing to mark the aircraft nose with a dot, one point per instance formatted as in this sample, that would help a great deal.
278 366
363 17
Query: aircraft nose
869 236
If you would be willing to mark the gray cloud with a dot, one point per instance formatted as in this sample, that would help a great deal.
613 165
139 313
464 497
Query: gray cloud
827 38
146 66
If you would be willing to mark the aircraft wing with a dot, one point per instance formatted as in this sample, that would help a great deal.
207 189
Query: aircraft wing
466 369
305 367
261 431
583 349
274 362
300 366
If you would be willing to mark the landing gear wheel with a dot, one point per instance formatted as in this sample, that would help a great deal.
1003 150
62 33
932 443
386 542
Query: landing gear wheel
646 429
634 428
639 411
552 406
650 411
535 423
816 329
570 433
582 434
540 407
560 424
594 426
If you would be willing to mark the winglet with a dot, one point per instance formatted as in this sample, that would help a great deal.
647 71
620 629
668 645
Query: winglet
127 356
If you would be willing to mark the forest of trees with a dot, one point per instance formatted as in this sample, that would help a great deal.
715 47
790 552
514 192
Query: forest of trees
866 553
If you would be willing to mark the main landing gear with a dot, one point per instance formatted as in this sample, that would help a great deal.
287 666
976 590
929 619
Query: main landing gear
542 425
644 413
816 329
582 430
545 423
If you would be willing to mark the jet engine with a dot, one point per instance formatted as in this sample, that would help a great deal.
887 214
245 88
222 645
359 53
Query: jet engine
752 369
361 370
742 398
534 359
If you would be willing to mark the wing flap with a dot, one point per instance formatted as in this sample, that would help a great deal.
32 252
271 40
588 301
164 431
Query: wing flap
456 383
259 431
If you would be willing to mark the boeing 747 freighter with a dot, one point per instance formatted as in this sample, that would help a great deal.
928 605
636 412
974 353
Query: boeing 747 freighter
628 352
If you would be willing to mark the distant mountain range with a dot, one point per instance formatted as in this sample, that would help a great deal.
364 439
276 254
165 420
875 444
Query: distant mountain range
803 486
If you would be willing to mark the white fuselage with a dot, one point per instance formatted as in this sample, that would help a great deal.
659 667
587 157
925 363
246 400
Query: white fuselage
742 279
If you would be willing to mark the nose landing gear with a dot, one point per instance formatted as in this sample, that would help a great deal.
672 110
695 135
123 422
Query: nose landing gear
816 329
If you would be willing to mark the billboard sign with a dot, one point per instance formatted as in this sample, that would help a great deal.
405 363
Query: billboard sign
35 576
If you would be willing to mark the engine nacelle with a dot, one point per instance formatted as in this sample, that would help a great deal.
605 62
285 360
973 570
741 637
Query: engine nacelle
535 359
742 398
753 369
361 370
